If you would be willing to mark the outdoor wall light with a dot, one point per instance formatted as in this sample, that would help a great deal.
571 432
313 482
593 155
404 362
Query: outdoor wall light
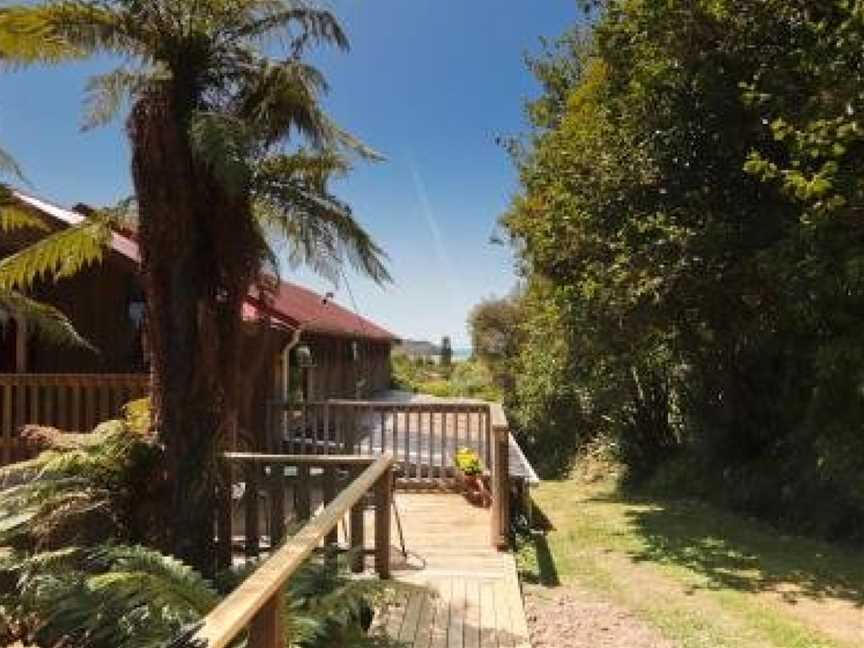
304 356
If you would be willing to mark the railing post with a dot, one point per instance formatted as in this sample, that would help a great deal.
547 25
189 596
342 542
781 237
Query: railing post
277 504
251 509
383 501
223 517
500 477
328 487
303 493
356 529
265 630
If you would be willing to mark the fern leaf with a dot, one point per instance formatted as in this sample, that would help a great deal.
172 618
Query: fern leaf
43 320
58 255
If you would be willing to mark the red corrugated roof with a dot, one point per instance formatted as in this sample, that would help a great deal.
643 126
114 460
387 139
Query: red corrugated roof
290 304
295 305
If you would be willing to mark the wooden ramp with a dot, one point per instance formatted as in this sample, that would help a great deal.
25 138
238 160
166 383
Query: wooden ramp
467 593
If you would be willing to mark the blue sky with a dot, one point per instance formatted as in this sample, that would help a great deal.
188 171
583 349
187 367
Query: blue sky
428 84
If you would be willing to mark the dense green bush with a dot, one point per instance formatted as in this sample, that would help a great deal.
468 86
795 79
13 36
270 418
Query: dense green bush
689 230
465 379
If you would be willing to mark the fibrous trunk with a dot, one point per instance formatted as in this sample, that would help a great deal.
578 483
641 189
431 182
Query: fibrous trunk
194 280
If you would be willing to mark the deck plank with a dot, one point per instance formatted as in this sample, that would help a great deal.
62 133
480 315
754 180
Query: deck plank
456 629
472 598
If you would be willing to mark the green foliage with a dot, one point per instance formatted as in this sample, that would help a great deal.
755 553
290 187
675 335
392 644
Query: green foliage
68 571
496 336
688 230
466 379
83 493
111 595
54 256
468 461
242 105
133 597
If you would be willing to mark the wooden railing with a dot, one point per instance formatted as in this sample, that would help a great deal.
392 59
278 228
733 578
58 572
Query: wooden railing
256 603
423 437
500 526
72 402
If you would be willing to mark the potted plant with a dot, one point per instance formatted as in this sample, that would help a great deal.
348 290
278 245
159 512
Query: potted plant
471 477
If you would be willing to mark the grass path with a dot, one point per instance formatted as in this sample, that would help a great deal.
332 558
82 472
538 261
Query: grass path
702 577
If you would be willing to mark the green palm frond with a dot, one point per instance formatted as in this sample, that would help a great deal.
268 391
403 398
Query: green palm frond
294 203
58 255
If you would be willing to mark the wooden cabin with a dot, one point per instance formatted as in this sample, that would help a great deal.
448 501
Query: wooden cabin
298 345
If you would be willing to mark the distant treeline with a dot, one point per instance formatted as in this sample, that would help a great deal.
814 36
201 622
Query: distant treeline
690 230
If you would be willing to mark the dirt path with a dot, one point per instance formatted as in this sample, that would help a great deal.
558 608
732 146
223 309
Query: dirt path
568 617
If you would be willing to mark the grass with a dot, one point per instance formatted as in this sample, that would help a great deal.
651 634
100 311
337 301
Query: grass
701 576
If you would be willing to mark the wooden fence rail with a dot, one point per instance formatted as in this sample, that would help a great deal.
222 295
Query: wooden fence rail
423 437
71 402
256 603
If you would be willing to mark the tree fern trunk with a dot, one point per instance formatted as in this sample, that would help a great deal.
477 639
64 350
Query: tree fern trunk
193 316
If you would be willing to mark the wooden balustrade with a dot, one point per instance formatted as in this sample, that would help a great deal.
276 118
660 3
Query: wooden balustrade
423 437
278 489
256 603
72 402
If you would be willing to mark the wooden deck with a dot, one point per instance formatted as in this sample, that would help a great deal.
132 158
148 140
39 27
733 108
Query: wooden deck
468 594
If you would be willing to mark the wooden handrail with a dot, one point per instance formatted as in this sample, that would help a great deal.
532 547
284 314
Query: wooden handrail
256 600
315 460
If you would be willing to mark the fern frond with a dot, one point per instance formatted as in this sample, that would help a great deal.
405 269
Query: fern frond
66 29
106 94
58 255
43 320
8 165
15 217
223 142
294 203
23 44
278 19
170 580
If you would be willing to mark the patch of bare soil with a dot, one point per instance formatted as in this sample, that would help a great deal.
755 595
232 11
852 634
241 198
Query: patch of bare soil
567 617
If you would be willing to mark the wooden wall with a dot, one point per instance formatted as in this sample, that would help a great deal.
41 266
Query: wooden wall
97 301
342 372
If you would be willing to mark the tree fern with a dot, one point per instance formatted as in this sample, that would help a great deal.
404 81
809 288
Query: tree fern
58 255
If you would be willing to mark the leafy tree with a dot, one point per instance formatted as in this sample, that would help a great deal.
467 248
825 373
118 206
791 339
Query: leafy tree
496 336
687 222
446 352
210 119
